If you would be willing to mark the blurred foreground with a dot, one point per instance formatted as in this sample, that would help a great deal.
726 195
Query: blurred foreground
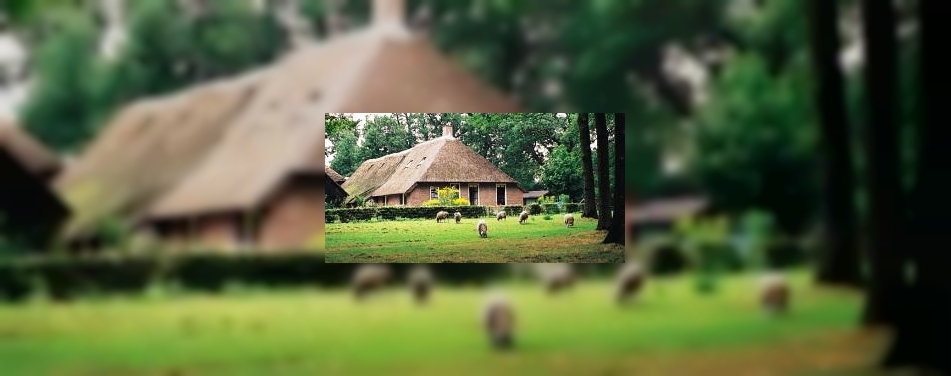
670 329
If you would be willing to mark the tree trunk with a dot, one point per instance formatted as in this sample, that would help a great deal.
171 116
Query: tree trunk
616 233
604 178
923 331
840 263
589 210
886 218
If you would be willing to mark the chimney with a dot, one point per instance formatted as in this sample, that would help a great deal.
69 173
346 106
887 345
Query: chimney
447 130
389 12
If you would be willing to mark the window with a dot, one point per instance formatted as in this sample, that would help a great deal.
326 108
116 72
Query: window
402 199
433 193
456 187
473 194
246 239
500 194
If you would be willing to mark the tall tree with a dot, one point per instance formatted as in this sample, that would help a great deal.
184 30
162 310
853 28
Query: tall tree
923 331
587 166
604 179
886 218
840 264
616 233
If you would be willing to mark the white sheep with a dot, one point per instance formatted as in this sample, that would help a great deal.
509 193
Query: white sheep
569 220
523 217
369 278
420 283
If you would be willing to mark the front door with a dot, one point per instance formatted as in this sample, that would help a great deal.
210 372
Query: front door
500 194
473 195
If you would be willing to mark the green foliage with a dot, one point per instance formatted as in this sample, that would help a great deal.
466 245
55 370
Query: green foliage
756 143
459 201
551 208
513 210
534 209
547 217
432 202
758 229
572 208
545 200
563 173
705 242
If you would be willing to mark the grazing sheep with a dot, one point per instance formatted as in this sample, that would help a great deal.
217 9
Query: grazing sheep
483 229
569 220
629 281
558 277
774 294
458 217
420 283
442 215
369 278
498 318
522 217
501 215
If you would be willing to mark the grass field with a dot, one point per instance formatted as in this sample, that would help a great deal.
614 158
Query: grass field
669 331
425 241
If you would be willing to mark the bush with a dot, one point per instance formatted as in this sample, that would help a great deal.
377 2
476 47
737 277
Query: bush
513 210
329 218
551 208
431 202
394 212
547 217
571 208
460 202
534 209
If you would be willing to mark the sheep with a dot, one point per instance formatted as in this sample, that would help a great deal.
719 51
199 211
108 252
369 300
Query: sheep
569 220
483 229
458 216
774 294
420 283
368 278
523 217
498 318
558 277
630 279
442 215
501 215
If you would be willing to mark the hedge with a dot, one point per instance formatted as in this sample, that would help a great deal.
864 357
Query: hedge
65 278
551 208
513 210
394 212
571 208
534 209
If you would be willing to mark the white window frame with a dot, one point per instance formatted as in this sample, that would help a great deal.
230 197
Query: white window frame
458 188
505 194
403 199
478 194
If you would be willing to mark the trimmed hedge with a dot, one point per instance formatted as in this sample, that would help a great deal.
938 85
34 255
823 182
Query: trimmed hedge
65 278
513 210
394 212
534 209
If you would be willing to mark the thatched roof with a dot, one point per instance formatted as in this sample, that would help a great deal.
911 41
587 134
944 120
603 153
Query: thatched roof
35 157
668 210
443 159
333 175
331 188
262 126
535 194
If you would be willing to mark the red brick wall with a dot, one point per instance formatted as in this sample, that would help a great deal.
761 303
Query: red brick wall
218 232
293 217
487 197
393 200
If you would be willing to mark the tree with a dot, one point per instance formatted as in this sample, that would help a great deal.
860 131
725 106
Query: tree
383 135
587 166
337 126
840 263
616 233
562 173
923 330
886 219
604 181
347 154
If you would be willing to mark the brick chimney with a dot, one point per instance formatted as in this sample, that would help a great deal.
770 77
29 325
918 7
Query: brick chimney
389 12
447 130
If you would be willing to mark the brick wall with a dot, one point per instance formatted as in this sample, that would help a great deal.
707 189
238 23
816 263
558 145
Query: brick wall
292 217
487 196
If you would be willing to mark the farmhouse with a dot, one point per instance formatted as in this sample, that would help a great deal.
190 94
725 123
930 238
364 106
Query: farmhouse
333 192
412 176
29 209
236 163
531 197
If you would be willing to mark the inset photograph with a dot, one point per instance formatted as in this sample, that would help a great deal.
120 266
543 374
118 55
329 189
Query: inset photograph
472 187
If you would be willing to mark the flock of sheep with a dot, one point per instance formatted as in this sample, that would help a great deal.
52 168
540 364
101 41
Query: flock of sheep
498 314
483 228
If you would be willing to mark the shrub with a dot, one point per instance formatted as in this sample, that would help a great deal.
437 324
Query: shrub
513 210
571 208
388 213
564 199
329 218
547 217
431 202
551 208
460 202
534 209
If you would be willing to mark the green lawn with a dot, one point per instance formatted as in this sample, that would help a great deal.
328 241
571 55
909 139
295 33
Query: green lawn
671 330
425 241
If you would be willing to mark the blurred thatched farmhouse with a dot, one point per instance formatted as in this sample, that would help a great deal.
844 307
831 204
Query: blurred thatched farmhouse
237 163
30 210
412 176
531 197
